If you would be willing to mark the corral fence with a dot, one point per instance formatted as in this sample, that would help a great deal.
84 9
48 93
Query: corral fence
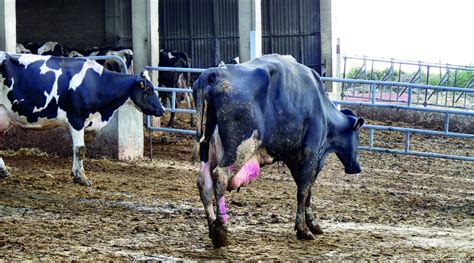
370 90
411 72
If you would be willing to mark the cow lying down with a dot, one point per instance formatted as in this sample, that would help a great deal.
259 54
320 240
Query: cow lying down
256 113
46 92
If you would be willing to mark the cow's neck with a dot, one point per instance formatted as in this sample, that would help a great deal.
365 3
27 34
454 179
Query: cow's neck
119 88
337 122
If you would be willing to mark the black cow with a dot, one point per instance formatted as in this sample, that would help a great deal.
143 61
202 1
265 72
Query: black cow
33 47
47 92
267 110
169 79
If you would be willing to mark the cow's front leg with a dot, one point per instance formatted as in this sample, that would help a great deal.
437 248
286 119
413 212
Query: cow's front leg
303 184
219 226
302 231
206 192
313 226
189 102
3 169
79 153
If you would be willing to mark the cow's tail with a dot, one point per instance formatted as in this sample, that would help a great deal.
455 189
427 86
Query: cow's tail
200 105
206 118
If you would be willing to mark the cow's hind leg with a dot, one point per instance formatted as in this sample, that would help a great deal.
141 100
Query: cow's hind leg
79 152
3 169
5 125
219 226
206 192
313 226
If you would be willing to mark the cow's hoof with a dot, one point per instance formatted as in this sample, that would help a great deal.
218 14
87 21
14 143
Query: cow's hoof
314 228
82 181
219 234
4 173
304 235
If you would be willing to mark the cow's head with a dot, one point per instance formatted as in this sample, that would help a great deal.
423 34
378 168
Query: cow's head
145 97
347 142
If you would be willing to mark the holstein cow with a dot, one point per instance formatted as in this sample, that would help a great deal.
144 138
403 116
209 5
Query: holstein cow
123 52
256 113
52 48
234 61
47 92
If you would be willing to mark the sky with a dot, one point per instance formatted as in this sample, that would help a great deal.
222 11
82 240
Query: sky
420 30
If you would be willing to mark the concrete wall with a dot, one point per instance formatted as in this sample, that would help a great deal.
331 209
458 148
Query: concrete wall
250 22
7 26
74 23
328 46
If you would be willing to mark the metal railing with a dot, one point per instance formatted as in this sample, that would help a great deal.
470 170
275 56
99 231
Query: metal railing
409 105
421 73
371 100
173 92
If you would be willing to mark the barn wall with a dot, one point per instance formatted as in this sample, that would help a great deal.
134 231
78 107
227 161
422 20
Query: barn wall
75 23
208 30
293 27
118 23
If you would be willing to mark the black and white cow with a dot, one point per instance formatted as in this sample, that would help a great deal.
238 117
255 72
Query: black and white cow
256 113
21 49
46 92
234 61
32 47
170 79
124 53
52 48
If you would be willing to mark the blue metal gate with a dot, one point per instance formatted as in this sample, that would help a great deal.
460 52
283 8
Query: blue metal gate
370 88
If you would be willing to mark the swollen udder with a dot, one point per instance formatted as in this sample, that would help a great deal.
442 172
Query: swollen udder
247 174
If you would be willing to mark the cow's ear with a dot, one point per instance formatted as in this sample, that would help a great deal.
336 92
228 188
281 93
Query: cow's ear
359 122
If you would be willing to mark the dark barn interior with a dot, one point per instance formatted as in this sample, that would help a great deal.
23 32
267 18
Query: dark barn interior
207 30
74 23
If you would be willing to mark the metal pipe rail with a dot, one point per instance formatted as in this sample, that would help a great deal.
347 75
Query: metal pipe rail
449 75
409 106
394 83
410 62
173 99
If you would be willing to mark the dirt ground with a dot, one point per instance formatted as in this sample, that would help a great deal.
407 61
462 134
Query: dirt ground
399 207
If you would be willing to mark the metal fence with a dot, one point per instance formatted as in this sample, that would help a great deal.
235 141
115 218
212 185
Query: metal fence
374 101
173 92
371 100
413 72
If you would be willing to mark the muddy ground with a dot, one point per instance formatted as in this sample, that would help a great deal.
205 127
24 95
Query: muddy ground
399 207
